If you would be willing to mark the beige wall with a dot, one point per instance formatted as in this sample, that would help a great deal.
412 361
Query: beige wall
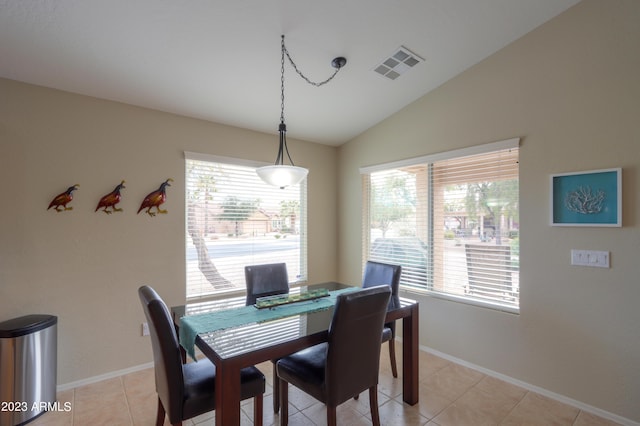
571 91
85 267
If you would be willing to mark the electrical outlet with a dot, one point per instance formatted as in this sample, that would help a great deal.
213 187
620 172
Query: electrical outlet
598 259
145 329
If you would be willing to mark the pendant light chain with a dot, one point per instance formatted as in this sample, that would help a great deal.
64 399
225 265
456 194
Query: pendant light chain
282 129
280 174
282 82
293 64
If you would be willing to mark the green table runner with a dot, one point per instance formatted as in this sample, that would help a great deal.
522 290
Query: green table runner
192 325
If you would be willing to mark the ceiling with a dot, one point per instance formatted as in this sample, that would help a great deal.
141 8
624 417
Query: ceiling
220 60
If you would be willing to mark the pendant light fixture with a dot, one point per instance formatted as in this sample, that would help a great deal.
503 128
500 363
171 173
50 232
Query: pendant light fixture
280 174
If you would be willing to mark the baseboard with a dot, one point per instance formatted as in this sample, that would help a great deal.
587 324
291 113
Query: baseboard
106 376
561 398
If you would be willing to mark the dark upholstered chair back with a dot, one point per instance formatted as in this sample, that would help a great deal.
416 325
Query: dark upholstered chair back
266 280
187 390
376 273
353 355
166 352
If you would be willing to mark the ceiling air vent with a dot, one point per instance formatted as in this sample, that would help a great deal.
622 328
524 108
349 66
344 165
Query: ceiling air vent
398 63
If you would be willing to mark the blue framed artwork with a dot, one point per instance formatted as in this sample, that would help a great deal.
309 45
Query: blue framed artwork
592 198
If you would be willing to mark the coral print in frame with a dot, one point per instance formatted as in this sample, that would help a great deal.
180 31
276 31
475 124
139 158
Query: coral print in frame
592 198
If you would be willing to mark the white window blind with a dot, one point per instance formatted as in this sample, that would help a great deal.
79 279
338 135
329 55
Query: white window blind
233 220
451 221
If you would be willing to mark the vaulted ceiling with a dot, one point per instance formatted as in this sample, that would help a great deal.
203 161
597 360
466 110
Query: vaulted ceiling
220 60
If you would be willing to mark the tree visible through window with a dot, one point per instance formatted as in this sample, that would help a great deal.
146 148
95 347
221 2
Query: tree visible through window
451 221
233 220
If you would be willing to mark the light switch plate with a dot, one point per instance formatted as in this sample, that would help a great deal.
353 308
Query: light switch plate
598 259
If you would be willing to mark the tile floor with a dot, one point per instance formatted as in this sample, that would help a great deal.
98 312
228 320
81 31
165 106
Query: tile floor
450 394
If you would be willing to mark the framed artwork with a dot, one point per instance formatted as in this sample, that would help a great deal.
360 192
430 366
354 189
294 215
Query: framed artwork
591 198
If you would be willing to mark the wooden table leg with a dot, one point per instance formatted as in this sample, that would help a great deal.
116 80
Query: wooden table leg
410 344
227 395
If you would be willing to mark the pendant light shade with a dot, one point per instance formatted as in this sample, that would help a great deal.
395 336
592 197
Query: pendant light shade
280 174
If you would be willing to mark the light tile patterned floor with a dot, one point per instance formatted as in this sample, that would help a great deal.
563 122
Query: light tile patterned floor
450 395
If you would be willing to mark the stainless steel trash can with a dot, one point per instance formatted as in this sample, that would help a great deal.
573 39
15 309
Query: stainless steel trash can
28 367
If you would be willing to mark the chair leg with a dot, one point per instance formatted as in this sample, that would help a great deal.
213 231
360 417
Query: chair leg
257 410
284 403
392 357
373 404
331 416
276 390
160 414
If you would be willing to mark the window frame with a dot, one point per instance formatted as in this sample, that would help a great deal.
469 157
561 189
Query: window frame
432 250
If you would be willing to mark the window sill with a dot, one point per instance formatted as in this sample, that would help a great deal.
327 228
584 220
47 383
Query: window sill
409 291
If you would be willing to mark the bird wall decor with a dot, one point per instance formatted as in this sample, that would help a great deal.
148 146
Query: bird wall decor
111 199
60 201
155 199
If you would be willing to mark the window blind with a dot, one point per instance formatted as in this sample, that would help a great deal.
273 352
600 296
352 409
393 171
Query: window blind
450 221
233 219
397 221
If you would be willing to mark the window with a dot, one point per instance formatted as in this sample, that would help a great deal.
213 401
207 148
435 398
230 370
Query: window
451 221
234 219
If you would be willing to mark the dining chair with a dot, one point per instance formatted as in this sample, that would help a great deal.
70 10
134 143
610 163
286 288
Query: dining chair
187 390
267 280
348 363
377 273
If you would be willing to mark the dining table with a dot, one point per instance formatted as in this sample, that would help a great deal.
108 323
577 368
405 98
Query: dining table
271 333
